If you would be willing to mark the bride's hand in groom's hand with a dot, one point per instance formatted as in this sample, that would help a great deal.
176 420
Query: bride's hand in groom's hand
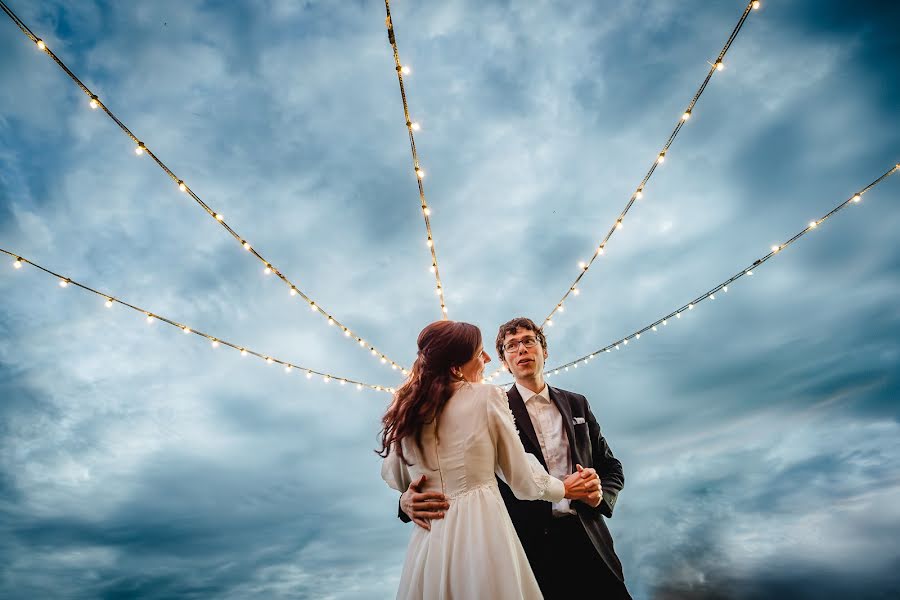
583 484
421 507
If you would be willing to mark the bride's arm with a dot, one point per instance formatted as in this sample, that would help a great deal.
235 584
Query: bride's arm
521 471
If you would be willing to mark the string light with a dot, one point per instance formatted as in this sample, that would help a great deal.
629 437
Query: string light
151 317
662 154
94 103
108 303
141 148
710 294
18 263
411 127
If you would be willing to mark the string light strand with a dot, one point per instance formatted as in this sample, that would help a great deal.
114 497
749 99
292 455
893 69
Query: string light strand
658 159
412 126
111 300
141 148
723 286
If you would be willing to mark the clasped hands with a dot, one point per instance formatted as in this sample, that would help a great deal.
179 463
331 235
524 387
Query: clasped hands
421 507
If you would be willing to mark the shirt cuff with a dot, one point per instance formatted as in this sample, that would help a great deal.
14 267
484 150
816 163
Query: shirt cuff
556 490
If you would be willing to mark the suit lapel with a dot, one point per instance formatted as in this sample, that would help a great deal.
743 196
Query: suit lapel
524 425
565 410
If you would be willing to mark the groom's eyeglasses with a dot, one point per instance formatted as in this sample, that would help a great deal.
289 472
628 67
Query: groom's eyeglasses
528 342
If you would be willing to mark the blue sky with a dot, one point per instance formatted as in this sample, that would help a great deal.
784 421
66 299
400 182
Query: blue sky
759 434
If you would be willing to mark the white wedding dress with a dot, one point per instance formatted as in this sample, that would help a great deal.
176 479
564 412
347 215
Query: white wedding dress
473 552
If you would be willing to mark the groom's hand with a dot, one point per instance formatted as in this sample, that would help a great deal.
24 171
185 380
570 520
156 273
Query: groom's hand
584 485
594 498
421 507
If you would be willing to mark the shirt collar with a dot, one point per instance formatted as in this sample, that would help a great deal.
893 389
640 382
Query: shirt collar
528 394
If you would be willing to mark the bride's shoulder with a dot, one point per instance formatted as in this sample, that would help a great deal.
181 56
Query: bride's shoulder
487 391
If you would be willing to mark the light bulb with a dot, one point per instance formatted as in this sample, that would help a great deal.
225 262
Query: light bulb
749 272
358 386
293 291
561 308
215 343
712 296
654 328
686 115
41 45
432 268
267 270
575 291
720 65
219 217
639 194
582 265
17 264
427 211
626 342
429 242
94 103
550 322
326 378
246 245
312 306
857 198
405 70
139 149
181 186
343 381
776 248
690 306
661 158
637 336
812 224
383 360
149 318
287 369
415 126
63 283
362 342
186 330
601 250
109 303
330 321
420 173
269 360
374 352
725 289
677 315
243 352
619 224
309 374
755 4
346 332
665 322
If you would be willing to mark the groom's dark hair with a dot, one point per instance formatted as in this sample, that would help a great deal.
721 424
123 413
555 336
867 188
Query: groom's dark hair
511 326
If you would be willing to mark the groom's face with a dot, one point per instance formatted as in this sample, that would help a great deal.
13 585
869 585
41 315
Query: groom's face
523 362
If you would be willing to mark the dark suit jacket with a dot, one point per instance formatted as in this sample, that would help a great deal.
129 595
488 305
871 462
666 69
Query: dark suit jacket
588 449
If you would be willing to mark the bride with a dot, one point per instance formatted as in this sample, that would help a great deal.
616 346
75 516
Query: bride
460 435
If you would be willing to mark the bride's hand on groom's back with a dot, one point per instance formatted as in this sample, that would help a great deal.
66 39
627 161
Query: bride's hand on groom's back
421 507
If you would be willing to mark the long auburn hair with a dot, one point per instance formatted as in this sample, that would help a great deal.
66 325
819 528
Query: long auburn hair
420 400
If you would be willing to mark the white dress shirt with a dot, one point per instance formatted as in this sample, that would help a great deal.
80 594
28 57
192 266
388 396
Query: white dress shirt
551 435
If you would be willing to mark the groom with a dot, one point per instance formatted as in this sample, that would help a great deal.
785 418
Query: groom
563 541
